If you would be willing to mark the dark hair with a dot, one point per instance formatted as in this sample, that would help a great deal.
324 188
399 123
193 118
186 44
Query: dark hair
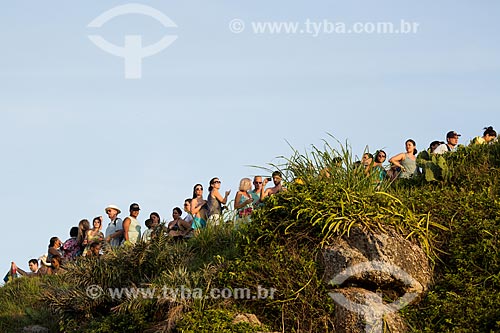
148 223
377 154
178 210
369 155
53 241
194 189
33 261
412 141
276 173
188 200
98 218
155 214
94 244
489 131
337 160
73 232
210 187
83 226
436 144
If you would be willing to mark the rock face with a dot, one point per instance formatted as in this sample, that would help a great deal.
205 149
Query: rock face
377 275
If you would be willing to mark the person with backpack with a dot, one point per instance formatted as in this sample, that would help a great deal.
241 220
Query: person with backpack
114 231
450 145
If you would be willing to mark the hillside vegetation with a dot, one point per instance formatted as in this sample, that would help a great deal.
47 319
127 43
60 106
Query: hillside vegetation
452 215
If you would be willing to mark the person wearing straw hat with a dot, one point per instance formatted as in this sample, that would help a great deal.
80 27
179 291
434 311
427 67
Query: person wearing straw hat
114 231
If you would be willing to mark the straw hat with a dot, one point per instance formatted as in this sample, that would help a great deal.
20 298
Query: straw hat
112 207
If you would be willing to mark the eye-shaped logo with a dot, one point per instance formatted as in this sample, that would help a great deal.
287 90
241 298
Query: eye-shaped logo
373 314
132 51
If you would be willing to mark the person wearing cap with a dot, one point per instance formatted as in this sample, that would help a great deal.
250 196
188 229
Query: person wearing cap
450 145
131 227
114 230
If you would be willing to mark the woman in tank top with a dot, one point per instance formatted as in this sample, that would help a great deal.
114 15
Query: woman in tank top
406 161
215 201
198 208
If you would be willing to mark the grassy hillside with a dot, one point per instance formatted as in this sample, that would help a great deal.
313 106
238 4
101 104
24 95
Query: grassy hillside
454 219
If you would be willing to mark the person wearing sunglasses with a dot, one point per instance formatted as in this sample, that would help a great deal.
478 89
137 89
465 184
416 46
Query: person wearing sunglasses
378 168
198 208
215 201
255 193
114 230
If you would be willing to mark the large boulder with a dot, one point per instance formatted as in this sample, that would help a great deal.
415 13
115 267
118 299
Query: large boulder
374 275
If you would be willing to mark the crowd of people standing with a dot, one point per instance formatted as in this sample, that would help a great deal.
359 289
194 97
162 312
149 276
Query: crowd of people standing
93 242
90 241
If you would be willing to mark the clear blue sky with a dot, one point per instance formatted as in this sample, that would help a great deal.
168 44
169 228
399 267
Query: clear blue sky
77 136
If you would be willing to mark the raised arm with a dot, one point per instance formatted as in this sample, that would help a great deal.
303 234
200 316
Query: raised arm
264 193
219 197
396 160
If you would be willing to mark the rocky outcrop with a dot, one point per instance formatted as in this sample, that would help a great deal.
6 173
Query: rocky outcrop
373 275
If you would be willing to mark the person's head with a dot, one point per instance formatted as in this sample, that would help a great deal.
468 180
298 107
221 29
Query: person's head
56 262
214 183
112 211
452 138
73 232
54 242
134 209
148 223
95 248
367 159
187 204
197 191
489 134
155 218
97 223
33 265
337 161
434 145
257 183
245 184
276 175
380 156
176 213
411 147
84 225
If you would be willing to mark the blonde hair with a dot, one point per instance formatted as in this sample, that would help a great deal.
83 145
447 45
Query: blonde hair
245 184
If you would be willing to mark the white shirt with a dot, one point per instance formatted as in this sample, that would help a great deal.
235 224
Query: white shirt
443 148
